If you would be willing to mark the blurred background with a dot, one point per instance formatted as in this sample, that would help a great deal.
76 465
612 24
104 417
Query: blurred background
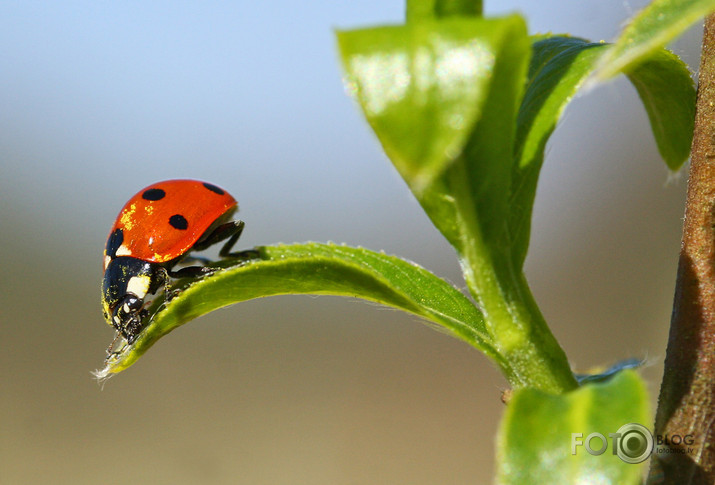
99 99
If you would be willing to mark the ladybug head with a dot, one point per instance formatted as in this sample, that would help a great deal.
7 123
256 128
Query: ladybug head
127 282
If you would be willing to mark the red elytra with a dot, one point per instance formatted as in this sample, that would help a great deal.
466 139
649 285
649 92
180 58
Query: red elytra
163 221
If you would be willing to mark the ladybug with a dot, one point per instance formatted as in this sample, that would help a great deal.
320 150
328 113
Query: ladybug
155 231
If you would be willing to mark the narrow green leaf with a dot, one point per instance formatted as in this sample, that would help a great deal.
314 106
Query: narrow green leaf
559 66
422 86
535 442
653 27
317 269
418 10
668 94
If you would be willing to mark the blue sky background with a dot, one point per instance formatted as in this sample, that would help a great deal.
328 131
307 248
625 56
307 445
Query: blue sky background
99 99
116 95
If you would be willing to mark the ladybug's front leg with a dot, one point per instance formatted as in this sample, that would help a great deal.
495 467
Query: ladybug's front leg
188 272
164 274
110 349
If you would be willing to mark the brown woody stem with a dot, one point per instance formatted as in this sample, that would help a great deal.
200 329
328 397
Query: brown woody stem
687 395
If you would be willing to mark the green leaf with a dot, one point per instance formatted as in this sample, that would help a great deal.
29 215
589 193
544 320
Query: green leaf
534 444
559 67
481 179
461 172
668 94
418 10
444 113
317 269
653 27
476 189
422 86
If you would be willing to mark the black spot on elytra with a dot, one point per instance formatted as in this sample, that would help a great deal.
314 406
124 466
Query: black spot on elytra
153 194
178 221
213 188
115 240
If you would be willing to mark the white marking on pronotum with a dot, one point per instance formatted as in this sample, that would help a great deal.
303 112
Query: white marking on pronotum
123 251
139 285
107 260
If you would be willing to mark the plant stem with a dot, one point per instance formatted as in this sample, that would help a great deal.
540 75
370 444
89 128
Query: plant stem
431 9
518 330
515 323
687 396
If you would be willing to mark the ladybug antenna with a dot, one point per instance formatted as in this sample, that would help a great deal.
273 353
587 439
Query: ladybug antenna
110 349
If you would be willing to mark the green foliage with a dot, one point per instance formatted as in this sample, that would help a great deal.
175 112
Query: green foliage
652 28
317 269
559 66
427 9
471 149
534 442
464 107
423 85
456 157
666 89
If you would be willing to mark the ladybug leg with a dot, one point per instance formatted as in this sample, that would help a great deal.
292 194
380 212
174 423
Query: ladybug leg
230 230
245 255
110 349
191 272
166 274
187 272
225 251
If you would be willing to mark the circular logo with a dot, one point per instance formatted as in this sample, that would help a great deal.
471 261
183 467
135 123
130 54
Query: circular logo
635 443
